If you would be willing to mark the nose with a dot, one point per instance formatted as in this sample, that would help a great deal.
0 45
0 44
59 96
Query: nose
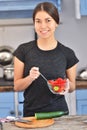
43 25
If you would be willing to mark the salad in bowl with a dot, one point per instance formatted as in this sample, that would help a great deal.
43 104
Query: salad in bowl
58 86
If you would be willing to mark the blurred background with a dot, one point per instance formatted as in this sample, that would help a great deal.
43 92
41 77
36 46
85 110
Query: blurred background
16 27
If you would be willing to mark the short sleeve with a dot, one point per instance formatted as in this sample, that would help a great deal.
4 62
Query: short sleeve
71 59
19 53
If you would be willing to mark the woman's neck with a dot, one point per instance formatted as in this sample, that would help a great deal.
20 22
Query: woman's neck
46 44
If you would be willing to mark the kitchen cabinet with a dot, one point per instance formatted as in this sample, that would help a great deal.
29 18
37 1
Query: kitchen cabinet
81 97
6 104
81 101
21 9
81 8
12 102
9 99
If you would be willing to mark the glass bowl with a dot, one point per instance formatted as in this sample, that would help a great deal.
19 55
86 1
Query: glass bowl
58 86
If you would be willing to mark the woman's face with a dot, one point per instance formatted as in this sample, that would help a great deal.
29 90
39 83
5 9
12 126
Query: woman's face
45 25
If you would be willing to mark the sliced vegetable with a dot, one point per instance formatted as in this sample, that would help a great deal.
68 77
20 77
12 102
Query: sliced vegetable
56 88
48 115
58 85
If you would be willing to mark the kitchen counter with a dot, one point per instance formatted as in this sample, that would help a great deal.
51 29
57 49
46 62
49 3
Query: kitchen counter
5 85
61 123
81 84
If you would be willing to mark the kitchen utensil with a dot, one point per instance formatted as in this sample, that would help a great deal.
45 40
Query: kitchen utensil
6 55
23 120
44 77
48 84
34 123
8 72
5 58
18 119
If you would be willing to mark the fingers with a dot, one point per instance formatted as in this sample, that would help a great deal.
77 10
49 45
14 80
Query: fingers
34 73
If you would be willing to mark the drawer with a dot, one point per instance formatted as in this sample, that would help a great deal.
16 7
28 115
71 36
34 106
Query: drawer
81 107
81 94
6 97
6 109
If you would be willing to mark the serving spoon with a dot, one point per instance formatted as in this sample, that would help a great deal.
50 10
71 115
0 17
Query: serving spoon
43 77
48 84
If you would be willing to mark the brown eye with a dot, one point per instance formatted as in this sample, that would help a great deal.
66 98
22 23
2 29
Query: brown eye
48 20
37 21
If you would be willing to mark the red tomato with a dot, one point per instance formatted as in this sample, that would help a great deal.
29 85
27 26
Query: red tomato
58 85
61 89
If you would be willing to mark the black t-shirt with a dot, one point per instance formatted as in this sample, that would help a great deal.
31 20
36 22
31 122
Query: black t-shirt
52 64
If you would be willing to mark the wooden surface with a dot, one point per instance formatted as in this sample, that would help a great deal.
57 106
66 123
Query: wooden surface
6 86
61 123
81 84
33 123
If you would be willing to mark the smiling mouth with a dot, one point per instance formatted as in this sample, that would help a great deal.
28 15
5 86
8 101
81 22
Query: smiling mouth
44 32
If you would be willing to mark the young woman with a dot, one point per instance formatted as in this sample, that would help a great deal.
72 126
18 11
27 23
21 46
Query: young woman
48 56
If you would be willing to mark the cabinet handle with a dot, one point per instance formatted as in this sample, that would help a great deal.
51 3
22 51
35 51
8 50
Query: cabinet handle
21 102
13 113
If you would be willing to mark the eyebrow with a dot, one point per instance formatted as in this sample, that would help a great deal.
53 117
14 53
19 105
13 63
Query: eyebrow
40 19
37 19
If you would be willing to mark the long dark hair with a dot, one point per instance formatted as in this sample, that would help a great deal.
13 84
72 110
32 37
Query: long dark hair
48 7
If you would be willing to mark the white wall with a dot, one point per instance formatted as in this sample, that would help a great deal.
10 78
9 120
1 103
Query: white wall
16 31
73 32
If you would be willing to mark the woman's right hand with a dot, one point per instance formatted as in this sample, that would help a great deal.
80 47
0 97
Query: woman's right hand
34 73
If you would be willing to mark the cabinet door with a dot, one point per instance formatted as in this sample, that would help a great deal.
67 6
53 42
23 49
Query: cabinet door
6 97
82 107
83 7
81 102
6 104
21 8
6 109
